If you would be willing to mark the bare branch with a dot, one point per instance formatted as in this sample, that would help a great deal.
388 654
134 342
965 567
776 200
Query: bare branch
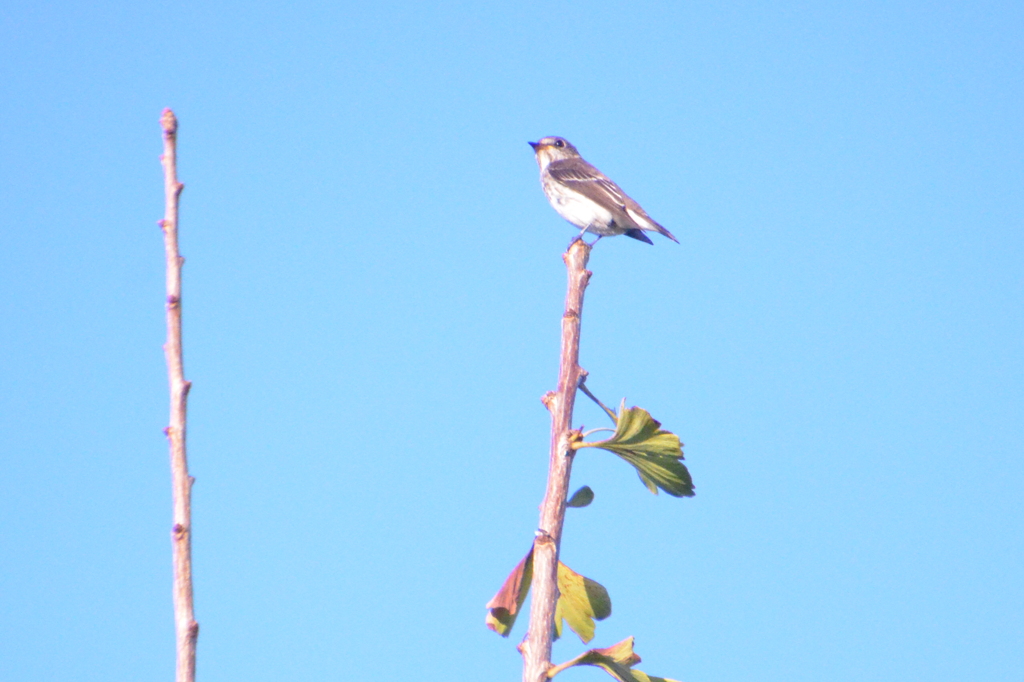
186 627
536 648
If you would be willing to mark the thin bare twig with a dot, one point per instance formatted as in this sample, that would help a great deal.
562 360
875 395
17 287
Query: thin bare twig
186 627
536 648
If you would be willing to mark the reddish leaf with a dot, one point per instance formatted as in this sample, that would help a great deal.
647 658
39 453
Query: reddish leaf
504 606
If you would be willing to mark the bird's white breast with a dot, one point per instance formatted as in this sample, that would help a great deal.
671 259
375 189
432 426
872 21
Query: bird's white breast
577 209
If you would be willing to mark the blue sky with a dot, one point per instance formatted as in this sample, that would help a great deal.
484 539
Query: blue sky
372 297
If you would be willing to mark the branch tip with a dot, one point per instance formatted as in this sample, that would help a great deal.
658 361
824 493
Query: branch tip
168 122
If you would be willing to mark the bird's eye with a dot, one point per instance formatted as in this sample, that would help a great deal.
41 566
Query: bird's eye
559 144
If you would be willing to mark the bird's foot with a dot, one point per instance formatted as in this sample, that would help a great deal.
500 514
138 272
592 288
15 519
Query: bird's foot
579 238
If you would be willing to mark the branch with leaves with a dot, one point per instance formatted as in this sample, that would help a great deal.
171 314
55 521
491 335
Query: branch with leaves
186 627
560 595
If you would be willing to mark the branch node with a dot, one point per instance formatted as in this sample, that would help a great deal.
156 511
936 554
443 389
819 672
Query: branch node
548 398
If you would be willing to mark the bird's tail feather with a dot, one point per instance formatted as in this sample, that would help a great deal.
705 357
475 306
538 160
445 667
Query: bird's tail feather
662 230
637 233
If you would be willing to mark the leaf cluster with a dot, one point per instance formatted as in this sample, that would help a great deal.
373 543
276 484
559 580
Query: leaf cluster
656 454
581 600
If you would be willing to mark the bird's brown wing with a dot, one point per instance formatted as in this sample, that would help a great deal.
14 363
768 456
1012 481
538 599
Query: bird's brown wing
582 177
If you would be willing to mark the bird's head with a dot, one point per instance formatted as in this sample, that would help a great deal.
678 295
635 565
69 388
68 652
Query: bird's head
550 149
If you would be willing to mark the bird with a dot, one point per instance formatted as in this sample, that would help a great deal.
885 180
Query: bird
588 198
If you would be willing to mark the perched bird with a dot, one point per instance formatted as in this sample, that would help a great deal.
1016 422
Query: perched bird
586 197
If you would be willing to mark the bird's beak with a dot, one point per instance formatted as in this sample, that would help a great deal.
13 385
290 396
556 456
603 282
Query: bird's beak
535 145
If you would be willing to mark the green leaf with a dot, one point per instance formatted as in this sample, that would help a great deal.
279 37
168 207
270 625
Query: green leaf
581 498
641 676
655 454
581 601
505 605
616 660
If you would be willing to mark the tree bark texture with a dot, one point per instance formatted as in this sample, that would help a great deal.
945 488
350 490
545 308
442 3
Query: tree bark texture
536 648
186 627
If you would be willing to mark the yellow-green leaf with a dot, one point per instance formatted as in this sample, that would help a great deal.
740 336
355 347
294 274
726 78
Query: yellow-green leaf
581 601
617 660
